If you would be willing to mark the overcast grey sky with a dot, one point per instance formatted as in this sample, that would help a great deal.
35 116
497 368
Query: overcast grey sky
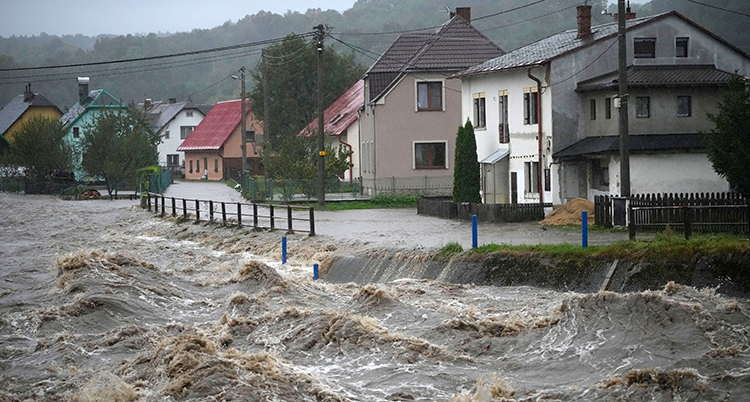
94 17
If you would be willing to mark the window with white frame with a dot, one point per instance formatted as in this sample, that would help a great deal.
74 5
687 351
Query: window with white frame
480 114
188 113
531 177
429 95
530 99
430 155
592 112
607 108
166 134
185 131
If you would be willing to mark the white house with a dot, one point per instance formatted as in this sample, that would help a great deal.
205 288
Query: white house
174 121
675 75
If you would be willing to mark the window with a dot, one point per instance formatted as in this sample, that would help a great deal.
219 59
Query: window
173 160
593 109
188 113
250 164
607 108
430 155
198 166
191 166
681 47
502 126
185 131
683 106
216 165
429 95
531 177
250 136
644 48
480 115
166 135
642 107
530 99
76 132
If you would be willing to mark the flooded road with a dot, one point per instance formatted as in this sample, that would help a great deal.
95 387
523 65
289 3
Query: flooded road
99 301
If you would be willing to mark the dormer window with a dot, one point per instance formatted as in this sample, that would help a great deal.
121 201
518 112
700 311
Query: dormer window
644 48
681 47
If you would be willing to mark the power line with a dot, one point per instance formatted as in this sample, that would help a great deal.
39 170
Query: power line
509 10
191 53
718 8
532 18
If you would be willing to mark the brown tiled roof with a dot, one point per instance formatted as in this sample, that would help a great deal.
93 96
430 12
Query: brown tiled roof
453 46
660 76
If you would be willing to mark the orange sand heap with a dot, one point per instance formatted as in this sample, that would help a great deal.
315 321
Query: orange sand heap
570 213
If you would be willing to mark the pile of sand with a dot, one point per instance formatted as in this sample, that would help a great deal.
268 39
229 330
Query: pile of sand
570 213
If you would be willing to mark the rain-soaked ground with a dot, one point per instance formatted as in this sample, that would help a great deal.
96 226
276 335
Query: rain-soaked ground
100 301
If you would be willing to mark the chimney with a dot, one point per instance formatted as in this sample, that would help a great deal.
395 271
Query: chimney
172 101
628 15
464 12
584 21
147 104
83 87
27 94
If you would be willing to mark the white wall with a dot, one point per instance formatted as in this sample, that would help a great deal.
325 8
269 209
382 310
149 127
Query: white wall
169 146
523 137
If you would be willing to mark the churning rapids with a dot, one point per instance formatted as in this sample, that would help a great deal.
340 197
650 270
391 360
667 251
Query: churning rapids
100 301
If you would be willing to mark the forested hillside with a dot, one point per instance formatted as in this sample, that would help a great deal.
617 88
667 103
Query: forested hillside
365 30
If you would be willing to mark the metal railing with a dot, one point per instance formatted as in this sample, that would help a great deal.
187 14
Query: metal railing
259 216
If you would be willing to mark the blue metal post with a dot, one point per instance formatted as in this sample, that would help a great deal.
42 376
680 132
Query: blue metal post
283 250
315 272
585 228
474 231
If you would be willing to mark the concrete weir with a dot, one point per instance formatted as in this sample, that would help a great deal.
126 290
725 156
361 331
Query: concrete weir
727 273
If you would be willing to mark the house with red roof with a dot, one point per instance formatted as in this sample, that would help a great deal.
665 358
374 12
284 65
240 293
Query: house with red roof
341 125
213 151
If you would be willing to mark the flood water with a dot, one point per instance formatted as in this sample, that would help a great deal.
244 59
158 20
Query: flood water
100 301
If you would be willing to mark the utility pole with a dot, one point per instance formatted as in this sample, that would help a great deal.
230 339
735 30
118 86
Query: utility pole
266 122
320 35
243 125
622 97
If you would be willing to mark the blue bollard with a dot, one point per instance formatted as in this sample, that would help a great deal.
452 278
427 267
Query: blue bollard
283 250
585 228
474 231
315 272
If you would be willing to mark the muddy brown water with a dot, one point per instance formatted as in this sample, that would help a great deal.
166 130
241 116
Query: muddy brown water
100 301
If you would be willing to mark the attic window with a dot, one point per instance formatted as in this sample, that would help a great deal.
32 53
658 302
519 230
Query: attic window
644 48
188 113
681 47
429 95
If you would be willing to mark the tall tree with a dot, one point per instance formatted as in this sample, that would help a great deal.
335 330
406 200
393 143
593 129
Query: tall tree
729 142
291 76
39 147
466 180
296 158
116 144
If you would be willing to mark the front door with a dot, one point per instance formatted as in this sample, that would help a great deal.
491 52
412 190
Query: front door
572 185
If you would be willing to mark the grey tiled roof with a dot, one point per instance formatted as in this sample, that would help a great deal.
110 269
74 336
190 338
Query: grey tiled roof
453 46
660 75
17 107
204 108
638 143
548 48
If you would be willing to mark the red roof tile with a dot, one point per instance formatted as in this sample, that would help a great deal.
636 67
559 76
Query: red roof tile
216 127
342 113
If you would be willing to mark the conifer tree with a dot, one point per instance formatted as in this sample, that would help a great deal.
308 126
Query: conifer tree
466 181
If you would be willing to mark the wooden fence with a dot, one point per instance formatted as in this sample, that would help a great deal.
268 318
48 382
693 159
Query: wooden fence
688 213
260 216
445 208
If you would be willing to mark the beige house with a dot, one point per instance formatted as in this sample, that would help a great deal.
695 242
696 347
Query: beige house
412 111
